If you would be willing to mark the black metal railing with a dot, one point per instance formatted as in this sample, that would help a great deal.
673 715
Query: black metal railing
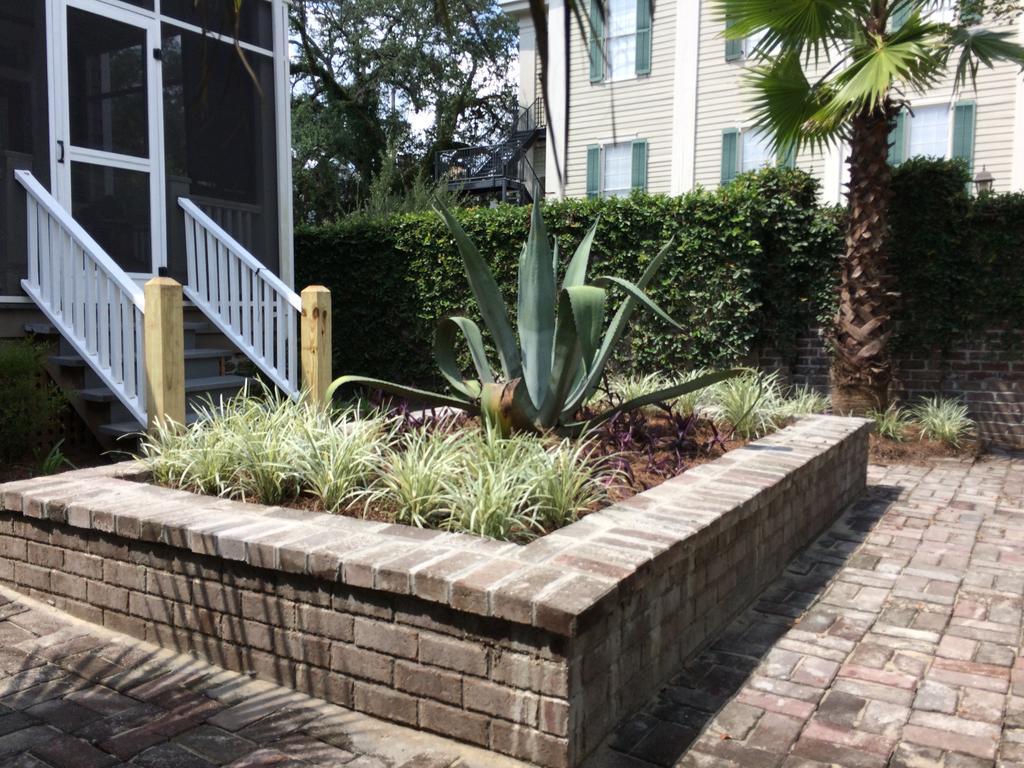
501 166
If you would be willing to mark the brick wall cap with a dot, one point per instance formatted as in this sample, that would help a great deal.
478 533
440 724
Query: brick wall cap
550 583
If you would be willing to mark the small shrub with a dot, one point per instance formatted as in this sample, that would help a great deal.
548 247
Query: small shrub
27 405
415 476
891 423
55 460
943 419
272 450
801 401
749 404
623 387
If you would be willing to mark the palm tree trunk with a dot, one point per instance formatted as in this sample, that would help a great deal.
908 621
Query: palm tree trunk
861 367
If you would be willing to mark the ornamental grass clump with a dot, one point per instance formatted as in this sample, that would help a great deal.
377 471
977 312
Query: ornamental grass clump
892 423
943 419
416 473
270 449
624 388
801 401
749 404
437 474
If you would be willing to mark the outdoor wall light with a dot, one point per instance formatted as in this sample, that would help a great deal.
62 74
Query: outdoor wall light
984 181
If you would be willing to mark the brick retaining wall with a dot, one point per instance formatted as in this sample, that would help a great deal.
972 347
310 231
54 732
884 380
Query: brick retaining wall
535 651
987 372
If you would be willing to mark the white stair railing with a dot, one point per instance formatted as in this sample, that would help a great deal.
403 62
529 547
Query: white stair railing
88 298
246 301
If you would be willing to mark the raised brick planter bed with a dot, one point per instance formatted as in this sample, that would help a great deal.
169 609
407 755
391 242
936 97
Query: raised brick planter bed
535 651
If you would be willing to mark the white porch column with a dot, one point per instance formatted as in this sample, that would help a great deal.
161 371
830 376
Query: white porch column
555 160
684 107
283 125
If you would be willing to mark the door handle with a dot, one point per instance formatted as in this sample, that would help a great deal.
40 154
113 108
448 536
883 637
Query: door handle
60 146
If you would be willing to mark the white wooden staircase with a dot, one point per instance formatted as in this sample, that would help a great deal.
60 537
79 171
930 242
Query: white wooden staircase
95 314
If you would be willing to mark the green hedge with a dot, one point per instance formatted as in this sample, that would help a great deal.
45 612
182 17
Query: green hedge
957 260
748 262
754 266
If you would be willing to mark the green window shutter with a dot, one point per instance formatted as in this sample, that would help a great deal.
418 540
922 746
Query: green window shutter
900 15
593 170
786 158
730 154
643 37
733 48
596 41
638 179
963 133
898 140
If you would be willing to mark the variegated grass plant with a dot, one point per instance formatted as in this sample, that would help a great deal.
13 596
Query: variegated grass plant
943 419
274 450
892 423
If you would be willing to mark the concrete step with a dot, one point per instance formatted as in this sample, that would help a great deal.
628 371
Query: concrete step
47 329
197 353
124 428
192 386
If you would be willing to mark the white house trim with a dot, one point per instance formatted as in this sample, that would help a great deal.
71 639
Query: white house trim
556 162
684 107
282 116
833 176
1018 122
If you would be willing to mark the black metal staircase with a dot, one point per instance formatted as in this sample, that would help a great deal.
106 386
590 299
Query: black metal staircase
501 170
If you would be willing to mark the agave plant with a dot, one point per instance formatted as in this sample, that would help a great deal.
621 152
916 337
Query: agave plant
563 345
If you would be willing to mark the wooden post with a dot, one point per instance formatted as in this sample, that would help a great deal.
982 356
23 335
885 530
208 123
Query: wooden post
164 344
316 341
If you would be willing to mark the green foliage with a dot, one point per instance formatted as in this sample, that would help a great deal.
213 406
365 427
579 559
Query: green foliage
802 401
516 487
363 68
28 402
55 460
943 419
748 267
958 261
553 362
872 55
274 450
754 267
748 404
892 423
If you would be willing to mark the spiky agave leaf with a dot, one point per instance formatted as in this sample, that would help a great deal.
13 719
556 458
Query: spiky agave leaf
488 297
659 396
587 384
447 361
536 302
580 313
422 396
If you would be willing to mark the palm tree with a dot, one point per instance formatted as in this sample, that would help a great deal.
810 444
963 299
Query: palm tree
873 53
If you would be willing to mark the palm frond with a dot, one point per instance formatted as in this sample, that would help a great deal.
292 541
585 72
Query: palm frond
982 46
908 56
802 25
786 103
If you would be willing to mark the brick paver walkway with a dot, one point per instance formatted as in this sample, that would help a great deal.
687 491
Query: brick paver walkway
73 695
895 640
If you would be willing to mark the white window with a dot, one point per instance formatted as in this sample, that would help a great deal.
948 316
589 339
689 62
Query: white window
617 173
939 11
750 43
756 151
928 132
620 39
